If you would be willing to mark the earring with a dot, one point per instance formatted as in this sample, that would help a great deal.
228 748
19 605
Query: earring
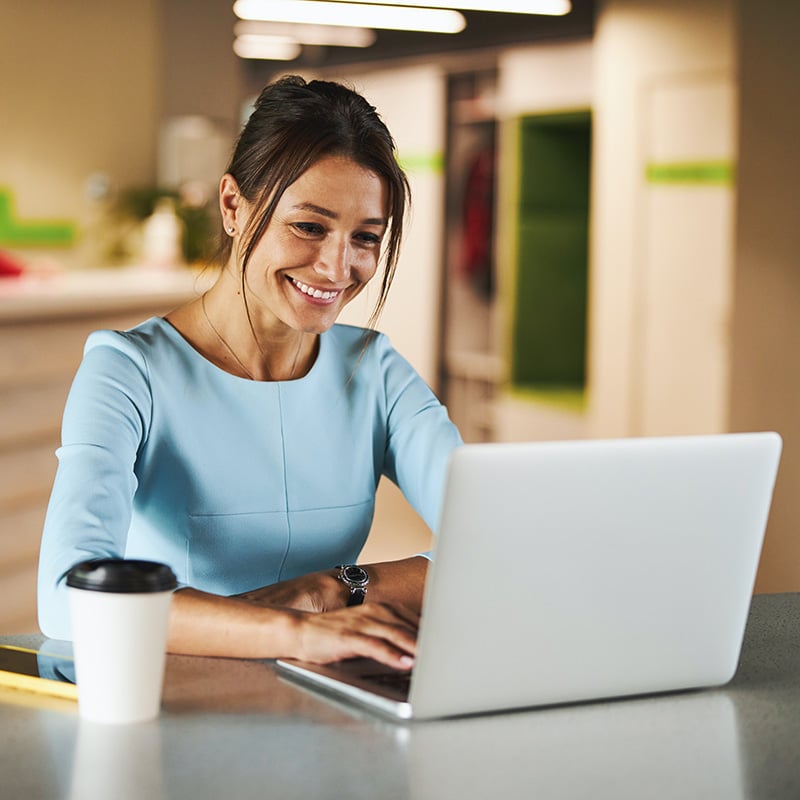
231 230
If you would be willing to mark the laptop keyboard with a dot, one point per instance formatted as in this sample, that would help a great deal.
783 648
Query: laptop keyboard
401 681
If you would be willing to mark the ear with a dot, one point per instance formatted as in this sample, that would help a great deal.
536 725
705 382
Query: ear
231 204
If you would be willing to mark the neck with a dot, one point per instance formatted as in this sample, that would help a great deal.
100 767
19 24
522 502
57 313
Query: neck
249 355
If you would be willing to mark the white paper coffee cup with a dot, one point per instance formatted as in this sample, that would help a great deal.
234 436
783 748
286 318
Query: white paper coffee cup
120 614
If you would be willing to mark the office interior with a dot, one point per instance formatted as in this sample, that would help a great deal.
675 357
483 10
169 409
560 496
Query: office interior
603 240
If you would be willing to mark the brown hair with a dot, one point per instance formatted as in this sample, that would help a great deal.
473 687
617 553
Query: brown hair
293 125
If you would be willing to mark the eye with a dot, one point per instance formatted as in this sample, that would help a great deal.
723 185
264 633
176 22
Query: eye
309 228
365 237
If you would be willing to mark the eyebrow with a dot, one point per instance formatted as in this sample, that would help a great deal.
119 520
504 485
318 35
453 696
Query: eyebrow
325 212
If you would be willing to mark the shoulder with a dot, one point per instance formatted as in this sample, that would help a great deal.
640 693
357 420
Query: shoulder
130 353
141 344
374 365
147 335
113 377
366 355
347 337
360 343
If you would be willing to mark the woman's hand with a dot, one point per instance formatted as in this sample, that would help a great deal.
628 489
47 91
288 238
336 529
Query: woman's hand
204 624
374 630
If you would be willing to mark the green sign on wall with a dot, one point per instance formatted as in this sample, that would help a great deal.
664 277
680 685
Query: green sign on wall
31 233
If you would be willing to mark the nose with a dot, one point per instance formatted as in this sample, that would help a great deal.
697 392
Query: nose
333 261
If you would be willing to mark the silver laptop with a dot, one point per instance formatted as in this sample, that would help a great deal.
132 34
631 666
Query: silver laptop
576 571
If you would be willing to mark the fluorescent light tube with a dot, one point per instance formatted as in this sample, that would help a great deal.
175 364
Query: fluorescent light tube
274 48
326 35
323 12
555 8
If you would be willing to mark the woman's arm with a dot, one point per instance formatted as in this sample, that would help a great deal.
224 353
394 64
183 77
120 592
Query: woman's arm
90 507
397 583
206 624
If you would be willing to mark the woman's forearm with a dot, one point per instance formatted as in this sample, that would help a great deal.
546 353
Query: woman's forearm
395 583
398 582
209 625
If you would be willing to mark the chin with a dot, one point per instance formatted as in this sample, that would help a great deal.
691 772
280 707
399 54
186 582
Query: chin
317 320
316 326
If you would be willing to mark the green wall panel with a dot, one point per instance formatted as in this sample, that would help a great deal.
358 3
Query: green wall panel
555 162
550 320
550 296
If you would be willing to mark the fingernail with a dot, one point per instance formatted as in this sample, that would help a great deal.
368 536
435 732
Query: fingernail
407 661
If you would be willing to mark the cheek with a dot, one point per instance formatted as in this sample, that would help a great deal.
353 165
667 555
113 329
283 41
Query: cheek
296 250
364 266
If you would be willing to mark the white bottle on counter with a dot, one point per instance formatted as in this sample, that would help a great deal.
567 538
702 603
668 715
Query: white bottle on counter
162 237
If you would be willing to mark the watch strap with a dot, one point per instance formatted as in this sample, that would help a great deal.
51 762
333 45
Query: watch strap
357 597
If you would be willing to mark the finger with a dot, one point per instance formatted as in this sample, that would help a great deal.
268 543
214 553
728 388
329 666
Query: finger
388 613
354 633
406 614
389 633
381 621
384 652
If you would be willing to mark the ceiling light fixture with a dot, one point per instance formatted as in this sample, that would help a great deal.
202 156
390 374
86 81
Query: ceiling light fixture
324 12
273 48
324 35
556 8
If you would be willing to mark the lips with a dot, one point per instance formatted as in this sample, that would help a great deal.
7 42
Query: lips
316 294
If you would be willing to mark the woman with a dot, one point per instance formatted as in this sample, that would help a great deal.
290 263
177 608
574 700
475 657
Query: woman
241 438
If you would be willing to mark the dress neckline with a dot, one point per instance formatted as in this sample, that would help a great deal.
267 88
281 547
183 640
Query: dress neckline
185 344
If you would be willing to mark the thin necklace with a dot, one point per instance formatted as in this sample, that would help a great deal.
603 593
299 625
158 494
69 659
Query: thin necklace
233 352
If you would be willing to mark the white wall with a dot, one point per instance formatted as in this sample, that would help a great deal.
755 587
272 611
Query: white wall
682 352
661 264
545 78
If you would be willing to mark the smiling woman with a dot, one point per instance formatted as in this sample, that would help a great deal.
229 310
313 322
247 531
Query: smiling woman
241 438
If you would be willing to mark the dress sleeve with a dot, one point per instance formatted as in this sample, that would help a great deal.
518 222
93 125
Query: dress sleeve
420 436
105 420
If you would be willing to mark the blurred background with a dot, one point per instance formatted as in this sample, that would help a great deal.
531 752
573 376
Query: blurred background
604 239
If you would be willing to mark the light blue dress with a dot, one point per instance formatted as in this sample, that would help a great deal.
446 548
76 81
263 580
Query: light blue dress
234 483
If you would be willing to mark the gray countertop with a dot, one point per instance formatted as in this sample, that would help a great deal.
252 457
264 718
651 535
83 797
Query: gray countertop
235 729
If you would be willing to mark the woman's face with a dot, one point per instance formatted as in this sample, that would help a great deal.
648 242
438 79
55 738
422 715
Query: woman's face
321 246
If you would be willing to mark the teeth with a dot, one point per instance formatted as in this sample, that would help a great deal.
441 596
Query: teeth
315 293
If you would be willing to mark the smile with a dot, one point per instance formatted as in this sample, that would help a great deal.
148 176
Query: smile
317 294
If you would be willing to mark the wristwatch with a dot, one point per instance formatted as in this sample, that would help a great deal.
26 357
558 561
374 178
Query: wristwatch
356 578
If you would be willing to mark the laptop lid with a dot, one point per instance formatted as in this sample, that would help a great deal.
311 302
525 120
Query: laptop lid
582 570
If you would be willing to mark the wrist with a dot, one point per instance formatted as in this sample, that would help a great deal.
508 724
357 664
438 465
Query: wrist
285 633
356 580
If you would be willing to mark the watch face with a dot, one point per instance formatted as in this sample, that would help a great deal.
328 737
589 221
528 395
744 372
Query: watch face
355 576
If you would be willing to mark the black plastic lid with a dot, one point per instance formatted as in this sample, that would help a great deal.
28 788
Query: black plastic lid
122 576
